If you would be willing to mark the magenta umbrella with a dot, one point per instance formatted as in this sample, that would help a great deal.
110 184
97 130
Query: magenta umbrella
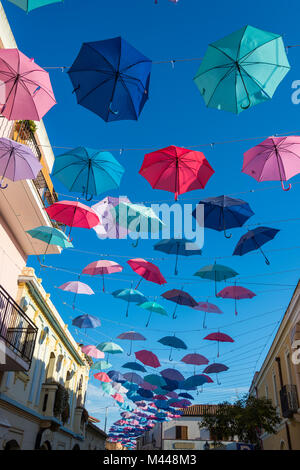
148 386
147 358
147 270
78 288
274 159
207 307
102 267
131 336
27 87
236 293
17 162
195 360
220 338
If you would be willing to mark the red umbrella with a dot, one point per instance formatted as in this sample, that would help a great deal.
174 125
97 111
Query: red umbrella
236 293
102 376
220 338
176 169
147 270
73 214
147 358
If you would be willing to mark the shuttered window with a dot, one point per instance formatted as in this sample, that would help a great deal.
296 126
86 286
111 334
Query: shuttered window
182 432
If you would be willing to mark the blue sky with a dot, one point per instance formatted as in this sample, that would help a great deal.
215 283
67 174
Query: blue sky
175 114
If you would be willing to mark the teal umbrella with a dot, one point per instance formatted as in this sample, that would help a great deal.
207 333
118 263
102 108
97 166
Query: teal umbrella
101 365
216 272
242 69
153 307
29 5
51 236
130 296
110 348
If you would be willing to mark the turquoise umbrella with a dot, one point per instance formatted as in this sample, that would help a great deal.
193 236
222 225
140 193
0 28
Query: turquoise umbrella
51 236
216 272
153 307
242 69
110 348
29 5
129 295
88 171
101 365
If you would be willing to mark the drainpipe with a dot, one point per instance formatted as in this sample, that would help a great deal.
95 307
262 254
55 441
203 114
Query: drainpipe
277 359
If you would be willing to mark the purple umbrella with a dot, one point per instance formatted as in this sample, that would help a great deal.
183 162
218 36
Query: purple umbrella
78 288
133 378
17 162
131 336
172 374
180 298
148 386
108 228
215 369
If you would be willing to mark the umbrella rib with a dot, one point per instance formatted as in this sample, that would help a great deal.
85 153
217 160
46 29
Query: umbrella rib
125 86
137 63
223 78
257 47
94 89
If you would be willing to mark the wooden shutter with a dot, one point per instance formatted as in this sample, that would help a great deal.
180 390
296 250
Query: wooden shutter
182 432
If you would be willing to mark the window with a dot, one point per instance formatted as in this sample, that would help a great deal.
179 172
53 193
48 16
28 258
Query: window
182 432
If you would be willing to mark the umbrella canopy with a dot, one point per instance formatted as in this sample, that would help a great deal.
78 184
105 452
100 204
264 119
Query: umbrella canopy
88 171
102 267
186 395
111 78
216 369
131 336
86 321
145 393
173 342
118 397
77 287
195 380
116 376
224 212
242 70
177 170
148 386
134 378
178 247
92 351
195 359
153 307
106 387
254 239
207 307
73 214
101 365
108 228
134 366
29 5
147 358
147 270
180 298
17 161
216 272
130 296
172 374
110 348
236 293
103 377
274 159
26 86
220 338
51 236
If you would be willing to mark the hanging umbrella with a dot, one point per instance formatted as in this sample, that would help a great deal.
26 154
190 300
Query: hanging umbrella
180 298
118 397
102 267
145 393
106 387
134 378
86 321
195 360
254 239
148 386
155 379
134 366
186 395
195 380
111 78
17 162
274 159
173 342
137 218
119 388
130 296
216 369
147 358
92 351
26 87
51 236
101 365
172 374
116 376
207 307
73 214
29 5
216 272
220 338
242 69
78 288
177 170
131 336
236 293
108 228
110 348
88 171
147 270
224 212
103 377
153 307
178 247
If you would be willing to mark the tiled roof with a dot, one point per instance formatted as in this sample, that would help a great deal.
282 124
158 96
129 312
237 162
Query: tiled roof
200 410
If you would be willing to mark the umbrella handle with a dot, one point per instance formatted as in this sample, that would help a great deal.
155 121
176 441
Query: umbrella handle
136 243
229 235
3 186
174 314
115 113
147 324
285 189
204 324
170 356
88 199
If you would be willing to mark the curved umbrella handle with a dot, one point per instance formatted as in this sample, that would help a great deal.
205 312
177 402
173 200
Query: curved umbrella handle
129 354
170 356
286 189
148 321
3 186
127 310
174 314
204 324
136 243
88 199
229 235
115 113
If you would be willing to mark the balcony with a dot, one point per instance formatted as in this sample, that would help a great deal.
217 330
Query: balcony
289 401
17 335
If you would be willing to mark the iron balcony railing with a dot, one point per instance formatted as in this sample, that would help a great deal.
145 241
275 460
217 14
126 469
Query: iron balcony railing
16 328
289 400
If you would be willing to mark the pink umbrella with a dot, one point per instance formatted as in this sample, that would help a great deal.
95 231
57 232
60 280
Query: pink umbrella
102 267
148 386
207 308
147 358
147 270
220 338
275 159
236 293
92 351
102 376
73 214
26 86
78 288
118 397
195 359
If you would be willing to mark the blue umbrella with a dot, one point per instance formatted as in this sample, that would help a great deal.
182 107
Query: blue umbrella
195 380
86 321
116 376
224 212
134 366
173 342
129 295
254 239
186 395
178 247
145 393
111 78
88 171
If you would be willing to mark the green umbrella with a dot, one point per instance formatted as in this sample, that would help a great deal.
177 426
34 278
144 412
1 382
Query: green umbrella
216 272
153 307
101 365
137 218
110 348
51 236
242 69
